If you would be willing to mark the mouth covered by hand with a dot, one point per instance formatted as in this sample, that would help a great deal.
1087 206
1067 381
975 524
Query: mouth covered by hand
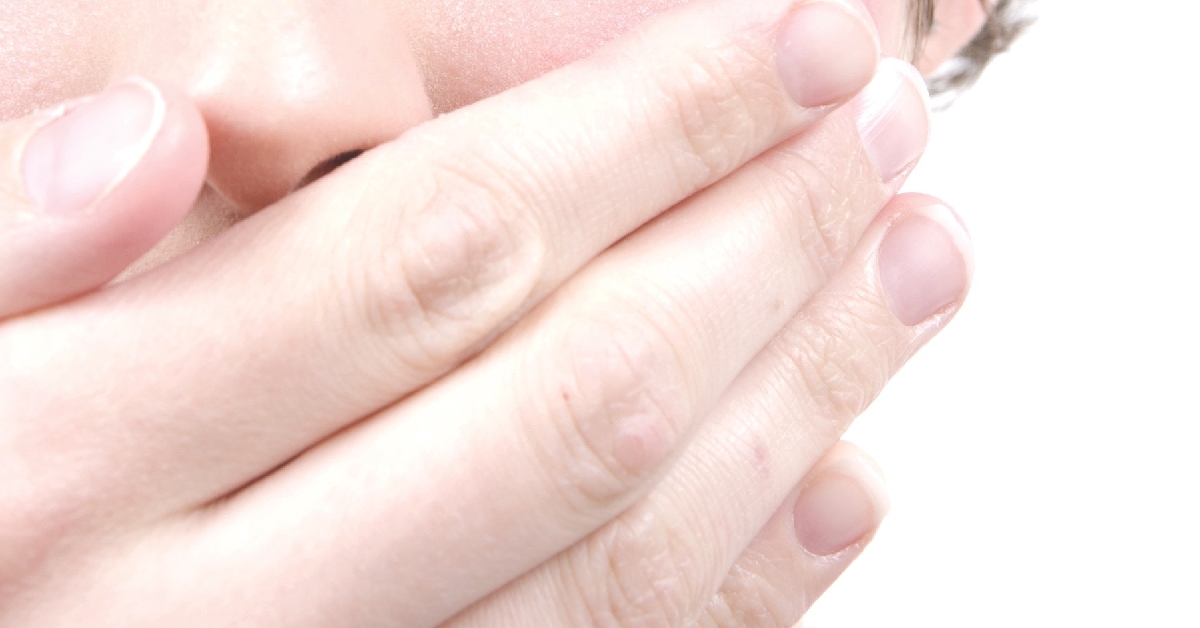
578 354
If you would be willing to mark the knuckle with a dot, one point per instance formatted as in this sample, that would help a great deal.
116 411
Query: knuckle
840 201
458 264
621 403
751 599
832 201
634 575
839 361
520 168
722 104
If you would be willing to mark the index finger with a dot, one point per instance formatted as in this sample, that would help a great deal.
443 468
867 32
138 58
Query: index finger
512 196
345 297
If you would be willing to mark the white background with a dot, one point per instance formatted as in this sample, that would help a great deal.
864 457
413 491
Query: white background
1044 453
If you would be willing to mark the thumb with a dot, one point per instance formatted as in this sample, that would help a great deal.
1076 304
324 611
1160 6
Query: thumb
89 186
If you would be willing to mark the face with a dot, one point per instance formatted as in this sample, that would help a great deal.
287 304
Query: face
291 88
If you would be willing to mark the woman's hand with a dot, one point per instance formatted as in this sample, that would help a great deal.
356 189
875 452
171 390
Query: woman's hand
481 375
88 186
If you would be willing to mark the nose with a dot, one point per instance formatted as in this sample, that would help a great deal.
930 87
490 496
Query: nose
289 89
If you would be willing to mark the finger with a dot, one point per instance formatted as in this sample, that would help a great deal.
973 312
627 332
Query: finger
89 186
363 287
822 527
576 412
662 560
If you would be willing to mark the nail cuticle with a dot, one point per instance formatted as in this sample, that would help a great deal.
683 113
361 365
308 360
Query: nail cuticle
133 155
892 116
69 164
840 508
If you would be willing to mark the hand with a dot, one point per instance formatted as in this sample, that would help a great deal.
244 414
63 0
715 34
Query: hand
327 416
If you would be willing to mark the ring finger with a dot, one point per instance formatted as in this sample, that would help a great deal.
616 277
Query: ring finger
577 412
664 558
363 287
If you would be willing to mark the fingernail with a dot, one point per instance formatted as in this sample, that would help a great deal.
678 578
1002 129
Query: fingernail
925 263
839 507
81 155
826 51
893 117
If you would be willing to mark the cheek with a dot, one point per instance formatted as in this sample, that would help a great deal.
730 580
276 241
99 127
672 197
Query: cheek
891 18
471 49
52 50
475 48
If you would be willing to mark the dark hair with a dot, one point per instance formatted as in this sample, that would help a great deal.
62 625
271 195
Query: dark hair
1006 21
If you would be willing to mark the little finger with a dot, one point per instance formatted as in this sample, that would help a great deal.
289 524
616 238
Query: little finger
664 558
821 528
579 410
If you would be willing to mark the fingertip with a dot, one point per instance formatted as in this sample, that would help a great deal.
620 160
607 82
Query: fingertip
892 116
161 189
97 182
925 258
855 461
841 503
826 52
831 516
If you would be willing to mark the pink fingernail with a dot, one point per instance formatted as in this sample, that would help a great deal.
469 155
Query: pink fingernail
840 507
892 114
825 52
80 156
925 263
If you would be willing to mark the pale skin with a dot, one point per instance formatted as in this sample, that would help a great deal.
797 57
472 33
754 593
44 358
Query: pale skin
575 354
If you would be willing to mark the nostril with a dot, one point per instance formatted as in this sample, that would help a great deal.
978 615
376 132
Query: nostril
326 167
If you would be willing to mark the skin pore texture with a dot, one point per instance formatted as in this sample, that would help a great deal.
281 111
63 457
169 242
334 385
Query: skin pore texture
331 79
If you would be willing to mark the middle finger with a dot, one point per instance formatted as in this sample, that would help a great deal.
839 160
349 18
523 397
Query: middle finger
335 303
573 416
